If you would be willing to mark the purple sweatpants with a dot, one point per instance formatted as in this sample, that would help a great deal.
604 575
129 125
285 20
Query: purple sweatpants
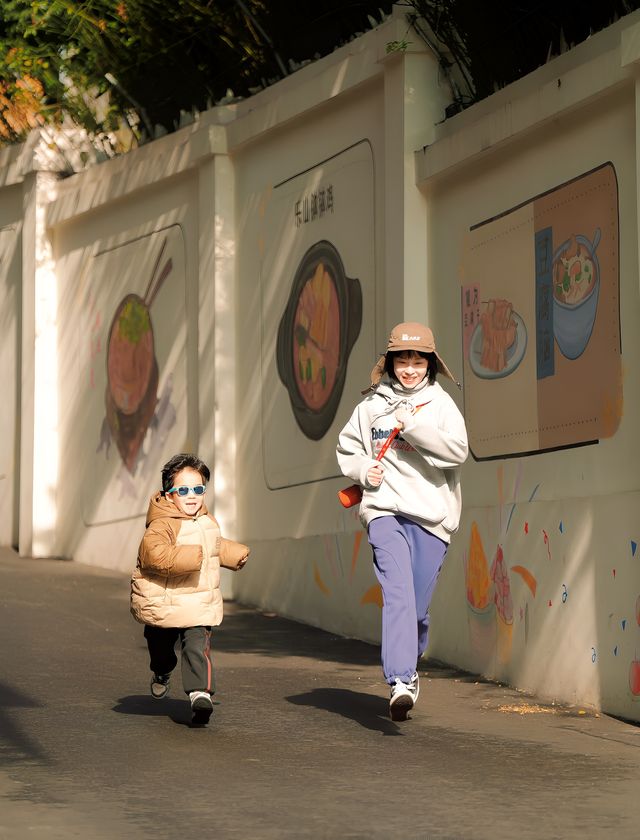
407 559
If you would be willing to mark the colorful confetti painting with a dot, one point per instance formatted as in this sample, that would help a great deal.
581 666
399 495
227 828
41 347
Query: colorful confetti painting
504 596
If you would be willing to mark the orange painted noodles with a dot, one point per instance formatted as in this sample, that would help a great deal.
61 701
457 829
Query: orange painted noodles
317 338
498 333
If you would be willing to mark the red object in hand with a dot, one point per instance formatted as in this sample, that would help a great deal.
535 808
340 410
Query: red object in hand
352 495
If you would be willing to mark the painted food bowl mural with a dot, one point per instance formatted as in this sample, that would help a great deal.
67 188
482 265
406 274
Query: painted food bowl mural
318 329
132 369
540 317
576 276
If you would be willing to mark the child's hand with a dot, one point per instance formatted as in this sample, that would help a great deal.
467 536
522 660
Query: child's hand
233 555
375 475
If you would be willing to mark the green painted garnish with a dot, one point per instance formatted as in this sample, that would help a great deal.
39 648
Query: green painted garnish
134 321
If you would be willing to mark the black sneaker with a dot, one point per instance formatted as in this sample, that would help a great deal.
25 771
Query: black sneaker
160 685
202 707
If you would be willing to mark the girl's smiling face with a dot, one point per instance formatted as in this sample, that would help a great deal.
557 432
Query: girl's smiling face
410 368
189 504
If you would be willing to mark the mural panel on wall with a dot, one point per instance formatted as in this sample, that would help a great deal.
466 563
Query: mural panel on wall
136 368
541 321
317 312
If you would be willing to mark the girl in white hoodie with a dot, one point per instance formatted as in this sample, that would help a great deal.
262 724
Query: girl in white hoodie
411 499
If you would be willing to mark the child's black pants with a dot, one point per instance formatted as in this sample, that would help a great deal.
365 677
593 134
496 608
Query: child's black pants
195 642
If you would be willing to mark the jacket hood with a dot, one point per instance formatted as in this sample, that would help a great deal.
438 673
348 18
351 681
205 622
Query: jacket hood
160 506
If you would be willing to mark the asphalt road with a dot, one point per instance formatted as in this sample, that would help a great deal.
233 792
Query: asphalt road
300 745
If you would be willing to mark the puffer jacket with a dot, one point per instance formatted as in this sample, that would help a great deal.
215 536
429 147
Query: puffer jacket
176 582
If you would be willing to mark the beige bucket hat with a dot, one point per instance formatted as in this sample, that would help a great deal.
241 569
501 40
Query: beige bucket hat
410 335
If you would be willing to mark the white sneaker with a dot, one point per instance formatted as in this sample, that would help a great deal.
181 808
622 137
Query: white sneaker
401 701
414 686
202 707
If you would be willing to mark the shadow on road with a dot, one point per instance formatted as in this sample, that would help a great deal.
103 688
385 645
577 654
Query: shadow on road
437 670
244 630
179 711
368 710
16 744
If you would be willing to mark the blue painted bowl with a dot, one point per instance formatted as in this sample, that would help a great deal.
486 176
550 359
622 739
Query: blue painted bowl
573 323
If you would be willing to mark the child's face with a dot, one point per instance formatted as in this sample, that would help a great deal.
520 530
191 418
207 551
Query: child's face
189 504
410 368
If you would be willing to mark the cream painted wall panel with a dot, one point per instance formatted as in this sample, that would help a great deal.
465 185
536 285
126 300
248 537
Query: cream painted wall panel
304 544
128 405
313 507
318 235
558 531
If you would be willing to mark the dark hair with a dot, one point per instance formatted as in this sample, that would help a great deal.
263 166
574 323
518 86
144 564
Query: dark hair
181 462
432 364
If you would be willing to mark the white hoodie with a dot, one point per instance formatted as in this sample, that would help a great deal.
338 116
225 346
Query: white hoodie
422 465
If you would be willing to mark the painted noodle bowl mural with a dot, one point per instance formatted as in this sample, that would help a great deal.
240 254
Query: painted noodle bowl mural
574 271
540 316
132 369
576 275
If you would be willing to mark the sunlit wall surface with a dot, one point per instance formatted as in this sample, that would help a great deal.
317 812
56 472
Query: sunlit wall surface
227 290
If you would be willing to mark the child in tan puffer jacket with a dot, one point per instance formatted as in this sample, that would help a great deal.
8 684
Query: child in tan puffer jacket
175 589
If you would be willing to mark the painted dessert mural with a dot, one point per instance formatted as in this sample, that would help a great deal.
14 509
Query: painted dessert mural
504 605
480 601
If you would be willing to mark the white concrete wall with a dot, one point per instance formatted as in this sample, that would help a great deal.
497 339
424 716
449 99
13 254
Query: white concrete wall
227 211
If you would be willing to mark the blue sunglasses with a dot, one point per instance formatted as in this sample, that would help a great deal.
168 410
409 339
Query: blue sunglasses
183 490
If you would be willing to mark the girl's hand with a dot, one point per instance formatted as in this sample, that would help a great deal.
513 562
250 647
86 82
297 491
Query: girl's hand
375 476
403 415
